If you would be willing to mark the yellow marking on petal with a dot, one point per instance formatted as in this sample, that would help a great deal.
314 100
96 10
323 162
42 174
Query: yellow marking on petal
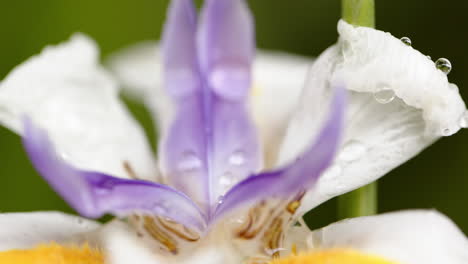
53 254
332 256
294 249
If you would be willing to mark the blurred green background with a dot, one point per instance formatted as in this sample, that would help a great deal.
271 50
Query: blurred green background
434 179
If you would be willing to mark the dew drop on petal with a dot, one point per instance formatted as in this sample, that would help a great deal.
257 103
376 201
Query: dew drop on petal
237 158
352 150
463 122
429 57
444 65
221 199
272 252
384 94
159 207
446 132
332 172
226 180
189 162
237 221
406 41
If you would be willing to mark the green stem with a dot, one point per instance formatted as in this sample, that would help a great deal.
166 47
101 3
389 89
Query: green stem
359 12
362 201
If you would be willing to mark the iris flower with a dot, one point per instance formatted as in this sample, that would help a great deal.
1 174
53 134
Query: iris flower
246 147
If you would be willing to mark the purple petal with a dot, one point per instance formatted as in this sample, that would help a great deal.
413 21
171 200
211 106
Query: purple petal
226 46
93 194
236 150
298 176
184 152
211 144
181 75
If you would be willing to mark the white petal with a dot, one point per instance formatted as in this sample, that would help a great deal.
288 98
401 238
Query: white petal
278 81
123 245
415 237
139 69
65 91
25 230
373 58
378 137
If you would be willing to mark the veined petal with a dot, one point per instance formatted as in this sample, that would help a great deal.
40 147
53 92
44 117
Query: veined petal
412 76
181 70
92 194
183 148
379 135
65 91
211 143
226 46
25 230
417 237
299 175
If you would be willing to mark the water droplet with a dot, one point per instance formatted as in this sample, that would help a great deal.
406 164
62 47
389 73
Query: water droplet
159 207
406 41
464 120
221 199
273 251
238 220
444 65
332 172
226 180
237 158
429 57
446 132
384 94
189 162
352 150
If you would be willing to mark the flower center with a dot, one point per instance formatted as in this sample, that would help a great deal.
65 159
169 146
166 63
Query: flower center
53 254
333 256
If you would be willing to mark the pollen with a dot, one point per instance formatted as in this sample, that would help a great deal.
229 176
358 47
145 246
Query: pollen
334 256
53 254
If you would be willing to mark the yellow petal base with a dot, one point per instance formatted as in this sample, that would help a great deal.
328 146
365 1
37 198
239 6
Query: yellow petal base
334 256
53 254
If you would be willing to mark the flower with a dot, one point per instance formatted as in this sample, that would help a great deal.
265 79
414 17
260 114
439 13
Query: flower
413 237
212 197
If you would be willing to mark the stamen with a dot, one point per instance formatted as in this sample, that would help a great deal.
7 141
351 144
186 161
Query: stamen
128 168
292 206
273 235
53 254
256 222
179 230
158 234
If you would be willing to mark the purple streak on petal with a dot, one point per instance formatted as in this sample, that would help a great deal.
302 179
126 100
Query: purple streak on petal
236 152
226 46
181 74
209 126
184 151
93 194
299 175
